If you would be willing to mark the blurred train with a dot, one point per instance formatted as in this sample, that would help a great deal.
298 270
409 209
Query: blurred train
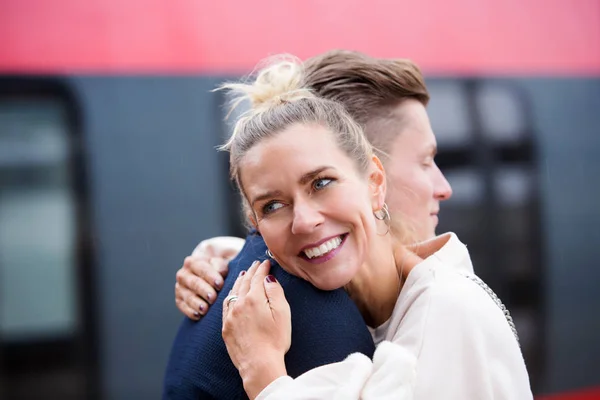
109 174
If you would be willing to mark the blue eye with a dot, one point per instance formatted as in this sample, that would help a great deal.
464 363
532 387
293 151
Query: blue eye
271 207
321 183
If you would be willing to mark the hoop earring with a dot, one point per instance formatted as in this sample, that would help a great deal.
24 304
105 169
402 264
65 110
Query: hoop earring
383 215
269 254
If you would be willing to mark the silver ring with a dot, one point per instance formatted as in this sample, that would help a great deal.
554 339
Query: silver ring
230 298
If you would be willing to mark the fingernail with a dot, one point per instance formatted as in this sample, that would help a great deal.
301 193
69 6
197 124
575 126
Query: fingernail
196 314
270 279
209 296
255 263
201 307
242 273
218 283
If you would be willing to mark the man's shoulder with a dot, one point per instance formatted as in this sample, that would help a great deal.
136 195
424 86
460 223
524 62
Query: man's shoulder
254 249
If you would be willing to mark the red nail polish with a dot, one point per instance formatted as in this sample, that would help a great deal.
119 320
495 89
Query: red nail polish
242 273
201 307
270 279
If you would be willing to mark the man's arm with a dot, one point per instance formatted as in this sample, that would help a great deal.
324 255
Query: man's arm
203 273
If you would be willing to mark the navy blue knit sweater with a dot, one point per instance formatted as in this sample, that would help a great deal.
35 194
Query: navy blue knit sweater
326 327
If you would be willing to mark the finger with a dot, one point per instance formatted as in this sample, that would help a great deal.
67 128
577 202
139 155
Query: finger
262 270
231 297
197 285
274 293
246 280
187 310
226 305
236 286
195 302
220 265
191 313
207 269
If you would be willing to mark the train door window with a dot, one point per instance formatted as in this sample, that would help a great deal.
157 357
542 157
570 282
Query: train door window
37 217
41 329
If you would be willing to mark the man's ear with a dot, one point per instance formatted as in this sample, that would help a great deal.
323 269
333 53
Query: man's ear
377 183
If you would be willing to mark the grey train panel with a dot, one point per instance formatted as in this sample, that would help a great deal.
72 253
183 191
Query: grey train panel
157 189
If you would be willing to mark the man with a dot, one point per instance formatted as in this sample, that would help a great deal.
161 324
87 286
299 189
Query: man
388 98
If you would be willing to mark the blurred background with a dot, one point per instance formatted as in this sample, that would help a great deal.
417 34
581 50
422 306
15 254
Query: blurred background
109 175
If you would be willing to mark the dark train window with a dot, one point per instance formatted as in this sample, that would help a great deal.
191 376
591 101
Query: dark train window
487 151
45 303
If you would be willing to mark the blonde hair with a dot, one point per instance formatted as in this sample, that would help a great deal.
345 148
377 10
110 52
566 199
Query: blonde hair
279 99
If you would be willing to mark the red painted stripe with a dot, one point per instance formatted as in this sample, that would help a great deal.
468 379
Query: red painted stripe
588 394
466 36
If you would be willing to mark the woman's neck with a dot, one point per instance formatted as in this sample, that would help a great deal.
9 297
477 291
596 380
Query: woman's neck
376 287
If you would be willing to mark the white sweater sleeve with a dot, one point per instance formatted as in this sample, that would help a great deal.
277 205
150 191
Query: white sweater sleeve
389 376
343 380
452 343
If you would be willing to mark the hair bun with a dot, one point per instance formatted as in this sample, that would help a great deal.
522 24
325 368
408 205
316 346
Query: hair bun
279 80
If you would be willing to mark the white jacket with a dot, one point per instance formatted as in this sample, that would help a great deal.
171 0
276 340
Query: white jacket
446 339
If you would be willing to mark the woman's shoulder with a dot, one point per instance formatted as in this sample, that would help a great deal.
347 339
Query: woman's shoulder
446 261
463 299
445 281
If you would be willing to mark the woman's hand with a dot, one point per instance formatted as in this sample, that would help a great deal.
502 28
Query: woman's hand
257 327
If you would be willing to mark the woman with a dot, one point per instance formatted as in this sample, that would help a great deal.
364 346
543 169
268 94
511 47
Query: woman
315 191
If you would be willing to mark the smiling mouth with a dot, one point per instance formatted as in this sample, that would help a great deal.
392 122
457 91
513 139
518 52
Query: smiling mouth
324 249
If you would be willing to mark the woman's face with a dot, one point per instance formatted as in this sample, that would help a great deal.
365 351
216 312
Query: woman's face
311 204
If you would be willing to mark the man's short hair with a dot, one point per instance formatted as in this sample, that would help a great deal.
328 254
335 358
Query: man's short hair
370 88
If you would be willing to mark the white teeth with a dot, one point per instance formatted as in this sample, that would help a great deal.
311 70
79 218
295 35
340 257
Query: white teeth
324 248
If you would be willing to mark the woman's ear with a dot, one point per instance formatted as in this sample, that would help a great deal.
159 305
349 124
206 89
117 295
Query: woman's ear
250 215
377 183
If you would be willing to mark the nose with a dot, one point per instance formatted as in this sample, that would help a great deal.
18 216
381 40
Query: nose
306 218
442 190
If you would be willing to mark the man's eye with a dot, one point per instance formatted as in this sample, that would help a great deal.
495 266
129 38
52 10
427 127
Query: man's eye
319 184
270 207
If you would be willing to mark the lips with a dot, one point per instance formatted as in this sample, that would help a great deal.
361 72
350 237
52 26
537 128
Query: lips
324 249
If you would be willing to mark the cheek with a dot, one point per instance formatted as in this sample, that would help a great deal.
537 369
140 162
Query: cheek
273 235
410 192
423 188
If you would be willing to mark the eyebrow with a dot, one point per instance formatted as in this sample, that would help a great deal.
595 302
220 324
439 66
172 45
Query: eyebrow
307 177
304 179
266 195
